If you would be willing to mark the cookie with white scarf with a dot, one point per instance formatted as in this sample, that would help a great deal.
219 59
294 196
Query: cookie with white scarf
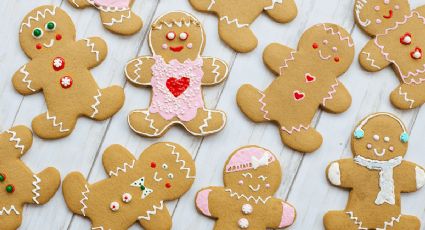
235 18
398 40
251 176
60 67
18 184
136 190
375 177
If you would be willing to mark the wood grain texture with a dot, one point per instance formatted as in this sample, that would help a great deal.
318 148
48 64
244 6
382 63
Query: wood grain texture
304 183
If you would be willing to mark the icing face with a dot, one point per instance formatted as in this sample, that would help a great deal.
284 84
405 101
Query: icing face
45 28
383 138
180 37
376 15
329 45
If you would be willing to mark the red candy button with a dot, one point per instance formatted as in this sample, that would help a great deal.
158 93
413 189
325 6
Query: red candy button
66 82
58 64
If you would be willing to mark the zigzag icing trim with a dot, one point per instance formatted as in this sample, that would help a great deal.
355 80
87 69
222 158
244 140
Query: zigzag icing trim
386 55
356 221
360 224
372 61
408 100
390 223
178 23
85 198
25 78
152 212
341 37
205 124
97 102
285 62
90 44
60 124
178 160
235 21
247 198
331 92
263 106
105 8
121 20
273 4
99 228
17 140
211 5
36 188
37 16
358 7
8 211
123 169
215 72
137 70
297 129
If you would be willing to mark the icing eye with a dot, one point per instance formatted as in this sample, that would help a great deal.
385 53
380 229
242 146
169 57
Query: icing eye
183 36
126 197
153 165
165 166
170 176
50 26
386 139
404 137
37 33
377 8
2 177
114 206
358 134
376 137
315 45
406 39
171 35
168 185
10 188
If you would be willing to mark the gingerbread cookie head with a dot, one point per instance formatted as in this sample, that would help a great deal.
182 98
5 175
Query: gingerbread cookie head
330 46
177 35
253 171
374 16
381 137
45 28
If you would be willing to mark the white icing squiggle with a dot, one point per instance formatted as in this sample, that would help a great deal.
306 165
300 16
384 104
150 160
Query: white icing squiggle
25 78
235 21
331 92
60 124
248 198
404 94
152 212
137 70
121 20
212 3
285 62
263 106
205 124
6 211
13 138
97 102
356 221
273 4
123 169
85 198
107 8
341 37
91 45
372 61
390 223
36 188
215 72
178 160
297 129
359 6
37 16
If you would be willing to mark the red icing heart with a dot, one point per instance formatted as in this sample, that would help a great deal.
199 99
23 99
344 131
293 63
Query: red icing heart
177 86
309 78
298 95
406 39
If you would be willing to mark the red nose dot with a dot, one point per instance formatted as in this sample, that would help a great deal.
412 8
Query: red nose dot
315 45
168 185
58 37
153 165
336 59
38 46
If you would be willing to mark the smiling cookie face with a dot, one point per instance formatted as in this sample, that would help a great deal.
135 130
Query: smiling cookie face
253 171
45 28
374 16
380 137
177 35
328 45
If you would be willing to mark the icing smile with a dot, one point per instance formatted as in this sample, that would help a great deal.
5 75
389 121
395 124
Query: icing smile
324 57
155 177
255 189
379 154
390 14
52 42
176 48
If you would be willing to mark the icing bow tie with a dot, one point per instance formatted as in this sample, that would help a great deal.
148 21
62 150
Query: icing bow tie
263 161
140 183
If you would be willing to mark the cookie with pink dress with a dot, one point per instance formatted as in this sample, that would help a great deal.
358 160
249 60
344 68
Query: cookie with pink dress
176 72
251 176
116 15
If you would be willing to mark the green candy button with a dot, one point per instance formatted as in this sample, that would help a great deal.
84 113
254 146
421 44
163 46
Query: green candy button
10 188
2 177
142 187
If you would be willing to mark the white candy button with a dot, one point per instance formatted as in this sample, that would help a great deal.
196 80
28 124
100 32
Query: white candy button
243 223
246 209
126 197
115 206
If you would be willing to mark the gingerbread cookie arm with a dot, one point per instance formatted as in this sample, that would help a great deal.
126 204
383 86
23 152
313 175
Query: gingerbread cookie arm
117 159
215 71
79 3
45 184
27 80
338 98
338 173
283 218
124 22
17 141
209 201
276 55
139 70
76 192
282 12
412 177
371 58
161 220
92 51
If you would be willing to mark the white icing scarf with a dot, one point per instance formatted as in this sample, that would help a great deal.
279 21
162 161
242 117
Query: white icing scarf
386 180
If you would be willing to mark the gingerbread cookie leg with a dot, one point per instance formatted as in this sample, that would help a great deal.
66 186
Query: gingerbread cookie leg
407 223
282 11
148 124
12 221
371 58
106 102
52 125
45 183
236 34
206 122
338 220
202 5
75 183
251 101
19 140
303 138
408 96
338 99
121 22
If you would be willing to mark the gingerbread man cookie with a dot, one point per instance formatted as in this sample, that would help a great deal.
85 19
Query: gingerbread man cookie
301 87
398 39
136 189
235 18
116 15
251 176
18 185
60 67
375 177
176 72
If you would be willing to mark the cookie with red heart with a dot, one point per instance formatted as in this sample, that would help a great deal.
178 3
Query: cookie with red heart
307 80
176 72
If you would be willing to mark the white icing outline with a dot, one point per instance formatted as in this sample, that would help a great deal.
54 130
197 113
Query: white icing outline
408 100
8 211
358 7
366 120
331 92
36 188
152 212
85 198
94 105
247 198
25 78
13 138
178 160
420 177
37 16
123 169
371 60
91 45
53 119
121 20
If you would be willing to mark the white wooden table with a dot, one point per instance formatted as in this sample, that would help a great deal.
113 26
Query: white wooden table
304 183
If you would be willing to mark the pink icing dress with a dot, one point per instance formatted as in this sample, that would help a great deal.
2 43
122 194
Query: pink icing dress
176 88
113 3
